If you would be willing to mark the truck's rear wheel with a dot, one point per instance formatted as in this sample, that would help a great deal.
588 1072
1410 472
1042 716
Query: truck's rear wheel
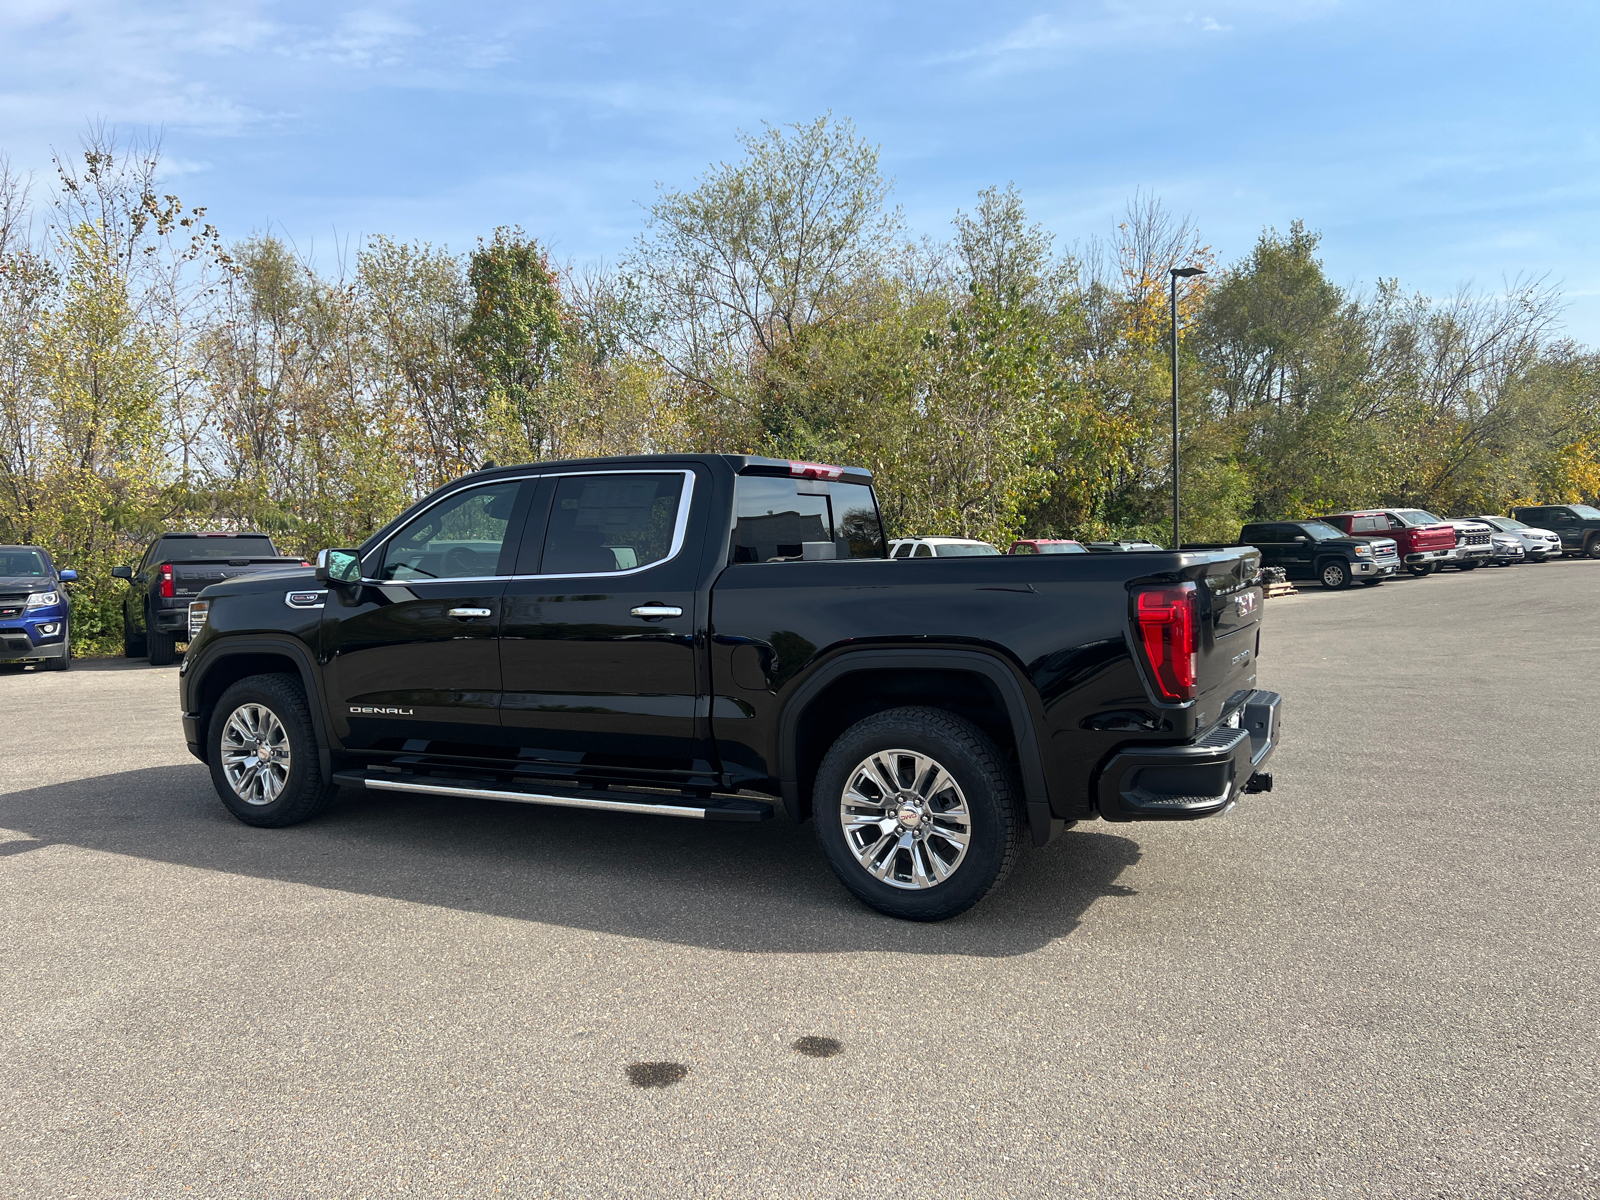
1420 570
917 812
132 643
1593 548
1468 564
162 648
263 753
1334 573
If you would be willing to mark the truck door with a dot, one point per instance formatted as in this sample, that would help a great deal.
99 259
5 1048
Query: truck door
411 656
597 646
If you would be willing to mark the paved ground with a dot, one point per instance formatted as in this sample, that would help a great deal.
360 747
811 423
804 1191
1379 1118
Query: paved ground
1378 981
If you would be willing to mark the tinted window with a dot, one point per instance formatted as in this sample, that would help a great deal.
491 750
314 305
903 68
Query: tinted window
1369 525
789 520
460 537
965 550
22 562
1024 548
904 551
617 522
924 550
1062 548
1259 533
171 549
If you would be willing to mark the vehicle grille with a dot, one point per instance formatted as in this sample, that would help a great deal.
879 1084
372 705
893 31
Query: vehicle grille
1385 553
13 605
1473 539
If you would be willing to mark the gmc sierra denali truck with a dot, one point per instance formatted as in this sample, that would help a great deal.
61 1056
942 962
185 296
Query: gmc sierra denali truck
703 637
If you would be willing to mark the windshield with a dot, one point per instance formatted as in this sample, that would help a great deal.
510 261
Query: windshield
1320 531
1503 524
23 562
206 548
1587 512
1416 516
964 549
1061 548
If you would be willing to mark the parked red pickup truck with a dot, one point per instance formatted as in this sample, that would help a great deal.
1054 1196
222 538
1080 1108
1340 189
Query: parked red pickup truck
1425 542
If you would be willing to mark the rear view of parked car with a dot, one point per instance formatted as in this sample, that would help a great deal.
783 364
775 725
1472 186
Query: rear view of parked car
1046 546
1316 550
940 547
1577 525
1537 544
35 611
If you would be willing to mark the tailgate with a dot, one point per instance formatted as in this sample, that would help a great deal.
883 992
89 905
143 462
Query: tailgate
190 579
1230 611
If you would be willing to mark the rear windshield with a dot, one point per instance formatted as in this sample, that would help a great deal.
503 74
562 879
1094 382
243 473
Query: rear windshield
1062 548
792 520
23 562
205 548
963 549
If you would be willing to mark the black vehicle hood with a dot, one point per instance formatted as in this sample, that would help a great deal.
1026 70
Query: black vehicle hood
264 581
26 583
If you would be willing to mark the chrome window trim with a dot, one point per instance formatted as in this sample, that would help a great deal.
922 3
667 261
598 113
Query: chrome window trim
680 530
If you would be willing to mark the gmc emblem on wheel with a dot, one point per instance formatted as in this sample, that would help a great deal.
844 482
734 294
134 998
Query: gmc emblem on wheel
1246 604
366 710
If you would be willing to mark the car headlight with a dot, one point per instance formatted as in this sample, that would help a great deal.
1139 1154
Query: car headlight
1363 551
44 599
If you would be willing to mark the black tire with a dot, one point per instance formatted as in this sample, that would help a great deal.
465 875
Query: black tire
1334 574
161 648
1420 570
302 793
1592 549
1371 582
995 826
132 643
64 663
1469 564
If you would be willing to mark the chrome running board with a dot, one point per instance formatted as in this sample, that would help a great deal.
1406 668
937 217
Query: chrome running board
724 808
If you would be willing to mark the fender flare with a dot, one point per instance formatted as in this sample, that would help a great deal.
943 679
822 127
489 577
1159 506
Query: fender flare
232 647
1025 720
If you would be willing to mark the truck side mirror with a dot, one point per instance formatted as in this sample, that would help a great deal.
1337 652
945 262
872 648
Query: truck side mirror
122 572
1302 538
338 566
69 576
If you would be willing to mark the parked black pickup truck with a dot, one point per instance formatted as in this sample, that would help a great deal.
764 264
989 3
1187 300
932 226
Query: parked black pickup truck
693 636
172 572
1316 550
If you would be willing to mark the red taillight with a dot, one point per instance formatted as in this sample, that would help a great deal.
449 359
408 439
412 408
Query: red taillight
811 470
166 581
1169 629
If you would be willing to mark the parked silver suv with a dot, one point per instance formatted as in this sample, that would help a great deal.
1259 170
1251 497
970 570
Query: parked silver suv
1537 544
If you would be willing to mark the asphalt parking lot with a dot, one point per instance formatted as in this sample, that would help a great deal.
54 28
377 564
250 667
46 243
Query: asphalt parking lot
1379 980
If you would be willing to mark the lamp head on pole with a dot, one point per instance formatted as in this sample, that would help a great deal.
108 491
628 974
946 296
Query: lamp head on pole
1186 272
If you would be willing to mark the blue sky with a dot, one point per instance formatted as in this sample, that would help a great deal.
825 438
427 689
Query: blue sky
1440 144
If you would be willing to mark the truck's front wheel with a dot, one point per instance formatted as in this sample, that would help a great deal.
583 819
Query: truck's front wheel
263 753
1335 574
917 812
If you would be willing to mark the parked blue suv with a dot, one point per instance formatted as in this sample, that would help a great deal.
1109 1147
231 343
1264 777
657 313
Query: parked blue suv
35 611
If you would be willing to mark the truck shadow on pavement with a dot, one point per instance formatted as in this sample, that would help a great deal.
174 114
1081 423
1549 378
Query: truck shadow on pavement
751 888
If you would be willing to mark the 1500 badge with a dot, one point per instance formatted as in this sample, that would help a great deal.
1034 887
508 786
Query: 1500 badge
392 712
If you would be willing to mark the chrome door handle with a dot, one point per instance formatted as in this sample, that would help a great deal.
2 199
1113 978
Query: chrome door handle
469 612
652 611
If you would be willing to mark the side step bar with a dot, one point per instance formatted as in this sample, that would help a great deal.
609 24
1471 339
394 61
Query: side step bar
722 808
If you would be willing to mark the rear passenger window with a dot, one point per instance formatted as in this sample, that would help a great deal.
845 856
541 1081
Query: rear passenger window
793 520
924 550
460 537
604 523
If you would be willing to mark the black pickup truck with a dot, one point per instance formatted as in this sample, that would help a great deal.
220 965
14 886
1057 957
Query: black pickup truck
172 572
701 636
1578 525
1316 550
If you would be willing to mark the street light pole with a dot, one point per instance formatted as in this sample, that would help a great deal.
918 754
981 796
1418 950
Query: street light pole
1176 273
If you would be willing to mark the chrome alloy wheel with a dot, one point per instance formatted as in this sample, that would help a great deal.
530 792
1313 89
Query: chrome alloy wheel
255 753
905 819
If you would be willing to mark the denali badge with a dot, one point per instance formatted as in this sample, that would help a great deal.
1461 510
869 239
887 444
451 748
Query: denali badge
1246 604
397 712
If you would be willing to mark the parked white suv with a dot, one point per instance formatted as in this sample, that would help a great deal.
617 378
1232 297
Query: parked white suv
1539 544
939 547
